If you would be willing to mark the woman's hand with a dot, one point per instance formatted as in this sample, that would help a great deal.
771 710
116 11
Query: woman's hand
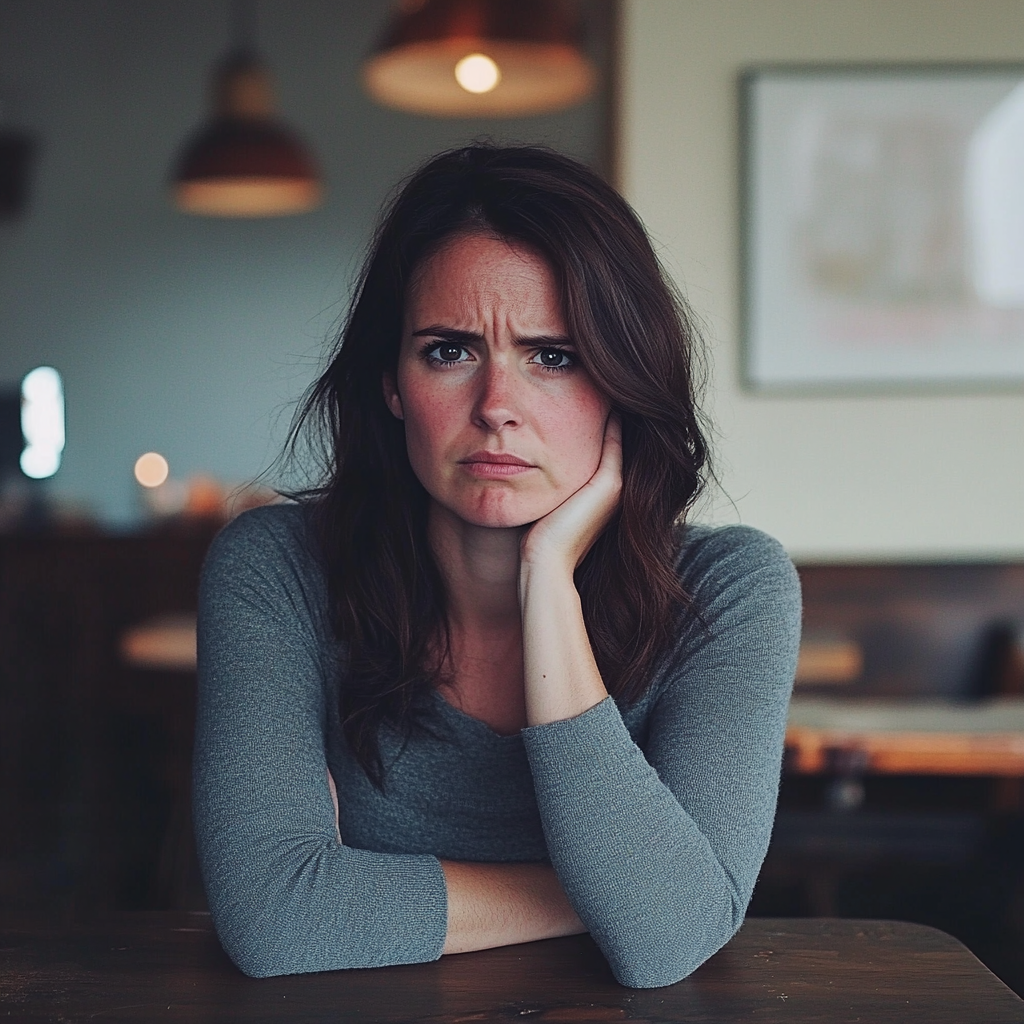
560 676
562 538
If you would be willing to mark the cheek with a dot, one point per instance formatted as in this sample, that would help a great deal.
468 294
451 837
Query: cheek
428 417
574 435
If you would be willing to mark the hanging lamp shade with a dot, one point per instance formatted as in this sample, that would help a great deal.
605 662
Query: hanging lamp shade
244 162
497 58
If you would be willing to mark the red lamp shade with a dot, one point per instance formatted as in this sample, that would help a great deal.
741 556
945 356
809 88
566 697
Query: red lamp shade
244 162
498 58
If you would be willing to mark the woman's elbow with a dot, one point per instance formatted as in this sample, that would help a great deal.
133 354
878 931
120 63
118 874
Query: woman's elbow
665 955
253 947
653 969
253 963
657 971
263 928
263 905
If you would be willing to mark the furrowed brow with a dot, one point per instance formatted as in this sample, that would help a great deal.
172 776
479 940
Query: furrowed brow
447 334
543 341
458 337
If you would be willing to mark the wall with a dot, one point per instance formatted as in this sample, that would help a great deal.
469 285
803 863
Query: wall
924 476
187 335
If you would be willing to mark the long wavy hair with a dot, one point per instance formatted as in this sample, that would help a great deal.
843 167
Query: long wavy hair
632 333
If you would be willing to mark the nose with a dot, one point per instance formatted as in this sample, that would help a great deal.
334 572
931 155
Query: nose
497 402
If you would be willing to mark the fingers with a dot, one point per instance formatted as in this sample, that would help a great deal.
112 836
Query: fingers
610 465
613 427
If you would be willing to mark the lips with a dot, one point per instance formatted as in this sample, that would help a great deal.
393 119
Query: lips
495 465
496 459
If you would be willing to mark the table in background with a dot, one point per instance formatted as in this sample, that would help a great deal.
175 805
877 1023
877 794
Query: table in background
169 967
901 737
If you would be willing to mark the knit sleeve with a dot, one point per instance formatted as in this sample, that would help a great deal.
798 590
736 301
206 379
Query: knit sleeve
658 849
285 895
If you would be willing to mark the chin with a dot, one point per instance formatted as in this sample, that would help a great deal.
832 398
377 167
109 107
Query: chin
496 520
504 514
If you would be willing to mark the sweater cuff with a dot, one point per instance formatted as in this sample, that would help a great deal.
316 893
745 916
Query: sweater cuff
558 750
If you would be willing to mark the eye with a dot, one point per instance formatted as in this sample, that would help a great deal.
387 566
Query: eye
446 353
553 359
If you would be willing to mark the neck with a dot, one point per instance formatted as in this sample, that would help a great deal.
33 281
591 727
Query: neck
480 566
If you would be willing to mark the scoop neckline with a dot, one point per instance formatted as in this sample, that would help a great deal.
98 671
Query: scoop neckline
466 720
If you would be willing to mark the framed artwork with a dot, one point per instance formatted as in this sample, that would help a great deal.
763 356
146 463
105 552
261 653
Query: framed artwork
883 227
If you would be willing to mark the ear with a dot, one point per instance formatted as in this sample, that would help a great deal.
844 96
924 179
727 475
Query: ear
392 399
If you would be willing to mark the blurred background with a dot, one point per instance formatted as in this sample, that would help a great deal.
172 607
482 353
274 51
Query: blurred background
157 327
194 335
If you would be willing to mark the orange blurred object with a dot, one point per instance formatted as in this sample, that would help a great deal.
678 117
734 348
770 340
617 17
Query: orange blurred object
207 498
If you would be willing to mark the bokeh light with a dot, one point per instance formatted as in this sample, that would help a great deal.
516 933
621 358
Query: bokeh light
42 422
151 469
477 73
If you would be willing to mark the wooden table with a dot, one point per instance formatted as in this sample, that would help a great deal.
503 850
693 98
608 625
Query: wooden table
906 737
169 967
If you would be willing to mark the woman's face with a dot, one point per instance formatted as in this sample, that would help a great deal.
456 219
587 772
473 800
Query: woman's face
502 423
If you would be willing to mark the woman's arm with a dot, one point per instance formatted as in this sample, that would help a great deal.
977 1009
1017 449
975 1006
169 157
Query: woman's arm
501 904
560 674
498 904
658 850
285 895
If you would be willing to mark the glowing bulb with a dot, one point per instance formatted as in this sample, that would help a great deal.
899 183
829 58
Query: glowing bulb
151 469
38 462
477 73
42 422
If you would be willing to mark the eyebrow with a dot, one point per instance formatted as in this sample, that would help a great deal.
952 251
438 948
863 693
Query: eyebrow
458 337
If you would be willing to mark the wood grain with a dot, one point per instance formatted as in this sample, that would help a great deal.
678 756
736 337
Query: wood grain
169 967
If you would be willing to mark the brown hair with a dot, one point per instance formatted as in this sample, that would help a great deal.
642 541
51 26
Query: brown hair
634 336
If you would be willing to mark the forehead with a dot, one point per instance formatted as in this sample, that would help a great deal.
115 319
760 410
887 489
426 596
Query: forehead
470 270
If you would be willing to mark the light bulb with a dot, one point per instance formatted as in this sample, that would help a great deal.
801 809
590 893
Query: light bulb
151 469
38 462
42 422
477 73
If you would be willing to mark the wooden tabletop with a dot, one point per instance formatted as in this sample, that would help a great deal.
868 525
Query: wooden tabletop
168 967
919 737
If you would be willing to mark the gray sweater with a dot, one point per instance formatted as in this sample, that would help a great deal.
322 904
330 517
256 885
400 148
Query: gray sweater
656 815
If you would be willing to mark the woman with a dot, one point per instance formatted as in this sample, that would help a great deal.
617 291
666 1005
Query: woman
405 743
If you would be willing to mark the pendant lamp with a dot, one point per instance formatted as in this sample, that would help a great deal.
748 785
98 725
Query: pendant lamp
244 162
497 58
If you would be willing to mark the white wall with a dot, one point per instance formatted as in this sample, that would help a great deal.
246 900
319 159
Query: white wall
188 335
836 478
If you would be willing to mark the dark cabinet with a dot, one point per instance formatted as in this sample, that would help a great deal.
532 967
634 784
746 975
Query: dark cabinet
93 755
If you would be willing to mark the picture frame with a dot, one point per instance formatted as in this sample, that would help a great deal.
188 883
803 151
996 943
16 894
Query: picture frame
882 220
